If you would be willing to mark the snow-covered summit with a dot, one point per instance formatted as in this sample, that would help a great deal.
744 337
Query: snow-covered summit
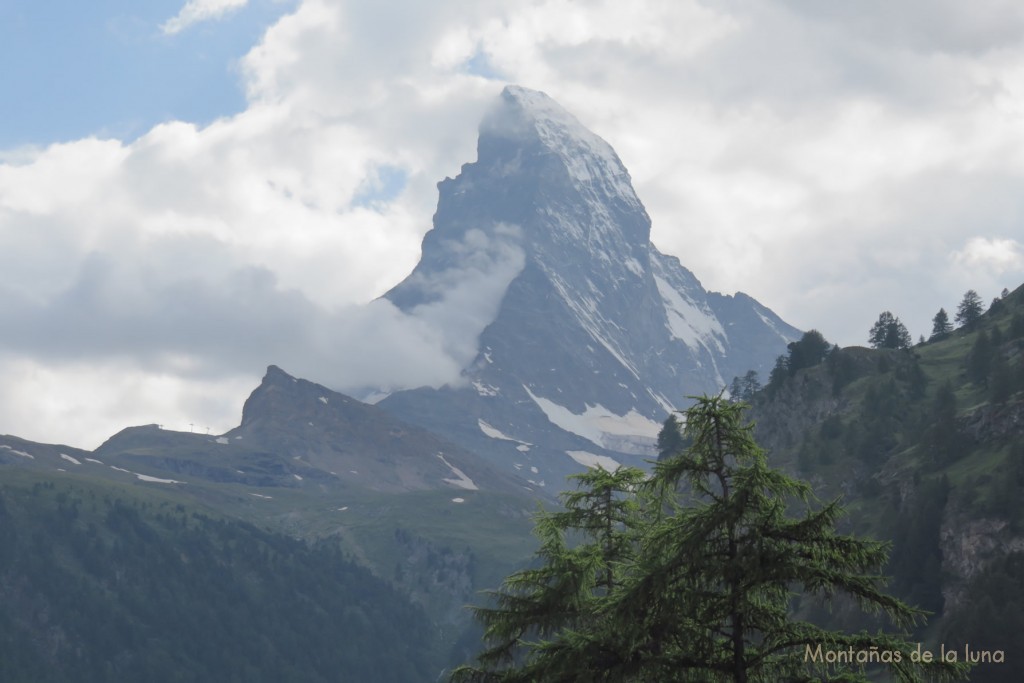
589 160
591 335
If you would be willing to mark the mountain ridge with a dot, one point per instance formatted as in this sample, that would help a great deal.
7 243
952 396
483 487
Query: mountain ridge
592 335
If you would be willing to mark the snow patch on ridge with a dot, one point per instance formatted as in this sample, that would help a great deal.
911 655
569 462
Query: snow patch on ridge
462 481
768 321
597 424
688 323
17 452
592 460
588 159
485 389
497 434
156 480
65 456
585 309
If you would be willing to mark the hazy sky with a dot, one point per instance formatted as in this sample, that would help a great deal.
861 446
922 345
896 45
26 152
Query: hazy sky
192 191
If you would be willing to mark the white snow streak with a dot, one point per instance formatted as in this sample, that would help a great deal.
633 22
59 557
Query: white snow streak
688 323
485 389
17 452
146 477
597 424
585 310
592 460
462 481
495 433
588 159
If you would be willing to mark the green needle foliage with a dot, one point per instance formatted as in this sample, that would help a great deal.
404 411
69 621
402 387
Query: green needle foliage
689 576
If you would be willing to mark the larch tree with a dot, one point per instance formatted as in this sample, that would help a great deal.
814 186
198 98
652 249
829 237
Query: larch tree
530 628
889 332
689 576
969 310
940 325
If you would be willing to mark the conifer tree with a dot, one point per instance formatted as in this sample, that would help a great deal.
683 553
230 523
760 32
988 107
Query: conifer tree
940 325
808 352
536 609
751 384
736 389
969 310
744 388
670 438
889 333
778 375
697 581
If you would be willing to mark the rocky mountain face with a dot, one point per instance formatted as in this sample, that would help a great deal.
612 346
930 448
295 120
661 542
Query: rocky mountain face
590 336
338 435
298 434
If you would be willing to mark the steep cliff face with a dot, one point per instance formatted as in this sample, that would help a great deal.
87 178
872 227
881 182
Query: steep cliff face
588 336
969 544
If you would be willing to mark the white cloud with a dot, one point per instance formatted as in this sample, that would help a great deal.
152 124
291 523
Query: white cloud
990 255
82 404
825 161
196 11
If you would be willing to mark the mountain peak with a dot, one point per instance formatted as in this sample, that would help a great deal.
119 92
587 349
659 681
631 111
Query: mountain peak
527 127
275 373
550 119
584 335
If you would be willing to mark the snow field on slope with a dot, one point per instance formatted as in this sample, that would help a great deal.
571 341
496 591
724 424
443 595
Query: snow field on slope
596 422
592 460
461 480
497 434
687 323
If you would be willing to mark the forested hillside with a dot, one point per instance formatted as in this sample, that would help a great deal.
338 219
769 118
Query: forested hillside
100 584
926 446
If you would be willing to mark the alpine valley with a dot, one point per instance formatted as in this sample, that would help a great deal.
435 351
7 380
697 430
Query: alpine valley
329 538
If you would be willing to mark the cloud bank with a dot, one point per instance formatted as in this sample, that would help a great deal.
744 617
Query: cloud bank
832 163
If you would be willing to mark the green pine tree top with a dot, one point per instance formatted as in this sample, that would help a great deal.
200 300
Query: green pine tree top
689 576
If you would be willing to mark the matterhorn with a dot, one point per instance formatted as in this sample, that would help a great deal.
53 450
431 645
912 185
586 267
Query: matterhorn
592 336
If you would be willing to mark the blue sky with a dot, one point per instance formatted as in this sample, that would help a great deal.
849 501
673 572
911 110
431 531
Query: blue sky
180 208
105 68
